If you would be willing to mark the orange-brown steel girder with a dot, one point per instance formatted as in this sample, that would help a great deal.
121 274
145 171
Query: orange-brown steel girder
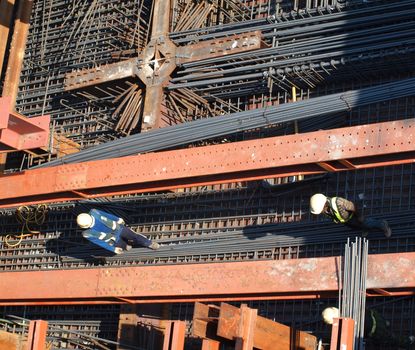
309 153
20 133
201 282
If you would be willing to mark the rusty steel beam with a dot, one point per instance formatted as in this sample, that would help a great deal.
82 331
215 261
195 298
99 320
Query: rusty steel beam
105 73
253 331
172 56
157 61
174 335
219 47
6 12
20 133
195 282
17 49
342 334
208 344
362 146
36 339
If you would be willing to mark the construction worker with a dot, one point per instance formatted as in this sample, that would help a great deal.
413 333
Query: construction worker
376 329
343 211
109 232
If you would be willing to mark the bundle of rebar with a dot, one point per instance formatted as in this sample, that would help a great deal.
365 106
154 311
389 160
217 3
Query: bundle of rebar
353 290
205 129
307 49
267 241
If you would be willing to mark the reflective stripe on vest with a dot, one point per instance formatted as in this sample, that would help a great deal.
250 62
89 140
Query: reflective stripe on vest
373 329
338 218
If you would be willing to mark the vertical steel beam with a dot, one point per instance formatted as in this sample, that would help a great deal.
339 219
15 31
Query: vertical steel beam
342 334
6 11
161 18
158 54
16 55
17 49
37 335
246 330
174 335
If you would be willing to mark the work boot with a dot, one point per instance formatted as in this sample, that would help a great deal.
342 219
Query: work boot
154 246
386 229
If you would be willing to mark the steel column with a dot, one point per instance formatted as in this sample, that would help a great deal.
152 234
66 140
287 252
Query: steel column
174 335
17 49
37 335
194 282
362 146
6 11
342 334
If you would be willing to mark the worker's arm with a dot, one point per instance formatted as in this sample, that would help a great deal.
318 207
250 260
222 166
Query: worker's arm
90 235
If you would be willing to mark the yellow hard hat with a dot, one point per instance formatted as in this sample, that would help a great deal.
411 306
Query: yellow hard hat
84 220
329 314
317 203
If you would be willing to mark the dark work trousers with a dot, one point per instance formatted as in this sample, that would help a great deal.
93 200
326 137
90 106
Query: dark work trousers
366 224
127 235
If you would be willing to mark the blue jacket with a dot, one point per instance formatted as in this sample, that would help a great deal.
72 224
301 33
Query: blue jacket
105 230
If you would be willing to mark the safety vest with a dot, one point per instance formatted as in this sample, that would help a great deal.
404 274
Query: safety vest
335 211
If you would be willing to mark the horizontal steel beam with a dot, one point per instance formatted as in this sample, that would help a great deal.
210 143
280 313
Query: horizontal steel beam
311 277
300 154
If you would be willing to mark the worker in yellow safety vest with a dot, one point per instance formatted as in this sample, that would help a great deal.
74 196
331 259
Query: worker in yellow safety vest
343 211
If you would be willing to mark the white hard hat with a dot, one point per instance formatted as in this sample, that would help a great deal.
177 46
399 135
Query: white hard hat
84 220
317 203
329 314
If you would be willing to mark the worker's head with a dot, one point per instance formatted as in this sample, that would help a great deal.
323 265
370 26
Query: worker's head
317 203
329 314
84 220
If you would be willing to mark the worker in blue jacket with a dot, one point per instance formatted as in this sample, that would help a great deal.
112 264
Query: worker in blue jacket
343 211
109 232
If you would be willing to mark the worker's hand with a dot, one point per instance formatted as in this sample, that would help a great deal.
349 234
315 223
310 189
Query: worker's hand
121 221
117 250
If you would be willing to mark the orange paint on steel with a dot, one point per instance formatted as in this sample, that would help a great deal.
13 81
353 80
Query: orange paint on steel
198 281
36 339
253 331
6 11
18 132
364 146
342 334
17 50
174 335
208 344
